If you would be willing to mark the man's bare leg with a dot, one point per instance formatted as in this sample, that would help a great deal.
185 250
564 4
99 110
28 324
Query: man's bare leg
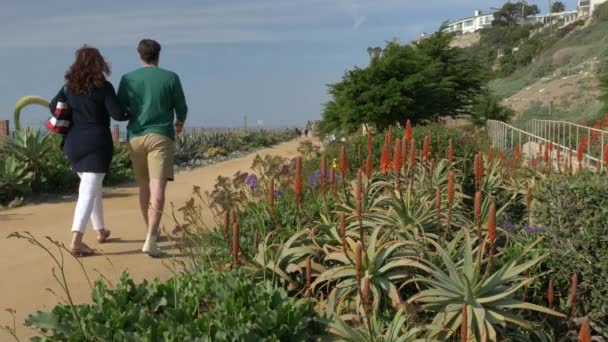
155 211
144 199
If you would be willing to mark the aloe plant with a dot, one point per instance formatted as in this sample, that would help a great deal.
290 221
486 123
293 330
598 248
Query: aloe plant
397 330
30 147
15 180
490 299
385 262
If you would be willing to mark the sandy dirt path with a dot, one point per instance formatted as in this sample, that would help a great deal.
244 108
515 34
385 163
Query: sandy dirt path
25 271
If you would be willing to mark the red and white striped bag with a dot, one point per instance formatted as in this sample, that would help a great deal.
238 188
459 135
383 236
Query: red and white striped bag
61 120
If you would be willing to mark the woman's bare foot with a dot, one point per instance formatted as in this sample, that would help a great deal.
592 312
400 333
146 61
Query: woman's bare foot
79 248
103 235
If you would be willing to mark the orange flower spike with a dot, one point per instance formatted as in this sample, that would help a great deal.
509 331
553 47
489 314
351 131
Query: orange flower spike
409 134
450 151
478 208
425 147
404 155
308 275
385 159
397 161
271 193
343 163
323 172
451 189
573 294
550 294
369 141
358 262
438 206
297 186
584 335
412 162
464 325
490 154
492 225
369 166
343 231
517 153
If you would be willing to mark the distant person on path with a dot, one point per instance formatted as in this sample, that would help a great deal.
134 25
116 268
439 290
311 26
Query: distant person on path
306 132
88 144
156 102
298 132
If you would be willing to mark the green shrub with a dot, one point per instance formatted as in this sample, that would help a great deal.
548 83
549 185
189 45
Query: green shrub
573 212
191 307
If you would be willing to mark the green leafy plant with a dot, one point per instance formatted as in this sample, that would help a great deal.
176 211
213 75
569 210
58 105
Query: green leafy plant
490 301
15 180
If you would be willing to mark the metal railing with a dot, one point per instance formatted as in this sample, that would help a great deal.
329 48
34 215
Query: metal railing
506 138
569 134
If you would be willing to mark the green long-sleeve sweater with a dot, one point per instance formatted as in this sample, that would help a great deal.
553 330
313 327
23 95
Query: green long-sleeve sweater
154 98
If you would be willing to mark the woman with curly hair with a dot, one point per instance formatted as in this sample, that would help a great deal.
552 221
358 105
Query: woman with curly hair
88 144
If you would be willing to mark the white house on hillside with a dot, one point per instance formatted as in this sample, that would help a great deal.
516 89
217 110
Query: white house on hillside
587 7
470 24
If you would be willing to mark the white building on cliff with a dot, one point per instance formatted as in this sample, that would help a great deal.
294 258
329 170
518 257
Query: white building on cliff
471 24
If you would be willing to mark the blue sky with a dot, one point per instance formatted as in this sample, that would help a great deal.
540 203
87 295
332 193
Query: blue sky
269 59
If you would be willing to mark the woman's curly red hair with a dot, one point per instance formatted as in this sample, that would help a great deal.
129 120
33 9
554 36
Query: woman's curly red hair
88 72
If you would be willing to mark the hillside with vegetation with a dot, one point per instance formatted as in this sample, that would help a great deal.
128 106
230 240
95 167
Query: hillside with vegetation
549 71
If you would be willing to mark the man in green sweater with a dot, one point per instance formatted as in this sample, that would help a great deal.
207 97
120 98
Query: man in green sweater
156 102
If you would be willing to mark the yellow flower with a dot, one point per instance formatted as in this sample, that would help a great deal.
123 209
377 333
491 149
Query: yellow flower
334 163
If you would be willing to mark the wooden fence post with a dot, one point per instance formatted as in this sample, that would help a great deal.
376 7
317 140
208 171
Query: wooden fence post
4 130
116 134
202 131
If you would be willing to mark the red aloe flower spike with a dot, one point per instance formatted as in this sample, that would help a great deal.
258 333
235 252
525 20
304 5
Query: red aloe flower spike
343 231
477 206
550 294
584 335
408 130
359 204
517 153
397 161
369 141
546 155
431 172
271 195
492 227
369 165
490 154
308 276
332 181
323 172
343 164
425 147
412 163
235 243
450 151
298 180
438 206
385 159
404 154
366 294
226 226
358 263
450 197
573 294
464 325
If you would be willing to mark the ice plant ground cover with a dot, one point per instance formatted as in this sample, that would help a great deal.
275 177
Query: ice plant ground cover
421 234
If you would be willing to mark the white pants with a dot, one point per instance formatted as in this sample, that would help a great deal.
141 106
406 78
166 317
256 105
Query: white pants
89 204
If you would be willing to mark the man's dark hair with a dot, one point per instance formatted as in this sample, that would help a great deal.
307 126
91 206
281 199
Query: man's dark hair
149 50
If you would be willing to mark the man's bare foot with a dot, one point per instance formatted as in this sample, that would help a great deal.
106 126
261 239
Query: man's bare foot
151 247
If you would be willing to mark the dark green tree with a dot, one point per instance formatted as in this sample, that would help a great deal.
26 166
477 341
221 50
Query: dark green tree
488 107
418 82
558 7
514 13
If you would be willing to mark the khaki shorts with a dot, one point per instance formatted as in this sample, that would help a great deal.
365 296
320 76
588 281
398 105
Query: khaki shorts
152 156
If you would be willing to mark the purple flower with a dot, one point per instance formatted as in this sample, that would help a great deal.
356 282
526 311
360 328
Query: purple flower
284 168
510 226
252 181
278 193
533 229
314 180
